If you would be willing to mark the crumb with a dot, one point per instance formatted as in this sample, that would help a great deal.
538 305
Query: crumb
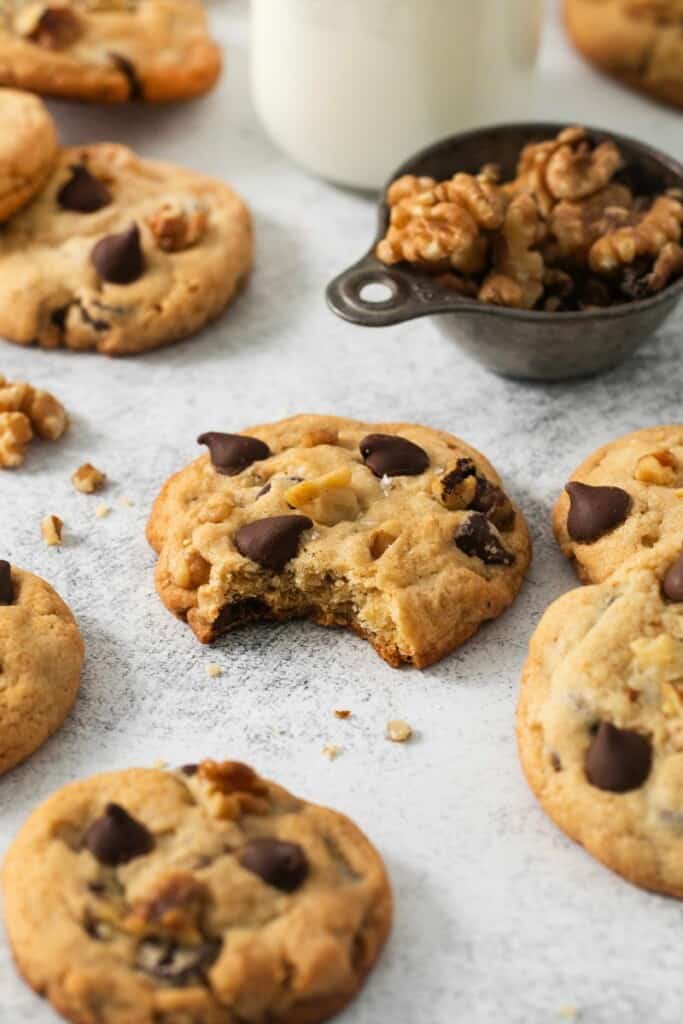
213 670
160 765
398 731
331 751
569 1012
101 511
126 502
51 528
342 714
88 479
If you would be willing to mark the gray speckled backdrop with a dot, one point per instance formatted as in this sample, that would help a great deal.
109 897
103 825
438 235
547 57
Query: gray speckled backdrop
499 917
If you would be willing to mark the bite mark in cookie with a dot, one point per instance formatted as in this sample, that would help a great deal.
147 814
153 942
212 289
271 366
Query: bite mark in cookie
346 523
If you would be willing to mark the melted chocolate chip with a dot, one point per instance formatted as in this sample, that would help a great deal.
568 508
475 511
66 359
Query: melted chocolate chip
127 68
189 769
83 193
231 453
594 511
116 837
178 965
494 503
119 258
6 587
477 539
272 542
555 762
388 455
618 760
280 864
672 582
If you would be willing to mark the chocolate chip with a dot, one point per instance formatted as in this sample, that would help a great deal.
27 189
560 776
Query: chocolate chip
6 588
280 864
272 542
388 455
178 965
118 258
494 503
594 511
231 453
127 68
618 759
83 193
672 582
116 837
477 539
555 762
189 769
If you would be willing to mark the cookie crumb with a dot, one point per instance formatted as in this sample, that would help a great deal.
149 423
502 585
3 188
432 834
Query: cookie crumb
87 479
160 765
51 529
102 510
569 1012
126 502
342 714
398 731
214 670
331 751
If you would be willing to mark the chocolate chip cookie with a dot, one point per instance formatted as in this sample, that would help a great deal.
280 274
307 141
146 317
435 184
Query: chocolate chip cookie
400 532
600 719
28 149
625 499
640 43
108 50
202 896
120 254
41 656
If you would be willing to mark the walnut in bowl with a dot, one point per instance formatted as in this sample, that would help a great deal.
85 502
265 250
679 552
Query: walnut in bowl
559 247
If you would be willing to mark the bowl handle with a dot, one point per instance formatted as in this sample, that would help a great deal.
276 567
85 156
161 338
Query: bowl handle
374 295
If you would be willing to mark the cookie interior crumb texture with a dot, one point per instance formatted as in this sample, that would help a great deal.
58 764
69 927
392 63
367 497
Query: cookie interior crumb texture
345 523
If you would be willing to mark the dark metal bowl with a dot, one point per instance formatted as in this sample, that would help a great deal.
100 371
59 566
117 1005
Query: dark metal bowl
515 343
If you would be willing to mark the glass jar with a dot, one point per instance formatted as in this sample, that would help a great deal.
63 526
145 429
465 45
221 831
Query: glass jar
350 88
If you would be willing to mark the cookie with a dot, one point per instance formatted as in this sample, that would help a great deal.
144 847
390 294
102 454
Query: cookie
400 532
624 499
202 896
600 719
121 255
108 50
41 656
28 149
641 44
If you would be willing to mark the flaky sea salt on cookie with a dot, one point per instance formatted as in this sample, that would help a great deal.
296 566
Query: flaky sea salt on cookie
400 532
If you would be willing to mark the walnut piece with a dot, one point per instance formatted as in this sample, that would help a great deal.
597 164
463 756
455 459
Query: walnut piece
443 226
659 225
576 226
87 479
178 225
517 277
398 731
660 467
51 529
175 907
25 411
15 433
54 26
233 789
328 499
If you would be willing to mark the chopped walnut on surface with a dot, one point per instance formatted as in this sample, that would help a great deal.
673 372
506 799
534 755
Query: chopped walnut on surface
87 479
569 232
51 530
24 412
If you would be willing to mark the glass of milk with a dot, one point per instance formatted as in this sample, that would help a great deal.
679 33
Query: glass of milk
350 88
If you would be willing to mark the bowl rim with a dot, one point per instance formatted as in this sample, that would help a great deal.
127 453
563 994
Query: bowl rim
616 311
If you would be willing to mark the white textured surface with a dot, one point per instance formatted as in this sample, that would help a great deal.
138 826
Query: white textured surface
499 917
